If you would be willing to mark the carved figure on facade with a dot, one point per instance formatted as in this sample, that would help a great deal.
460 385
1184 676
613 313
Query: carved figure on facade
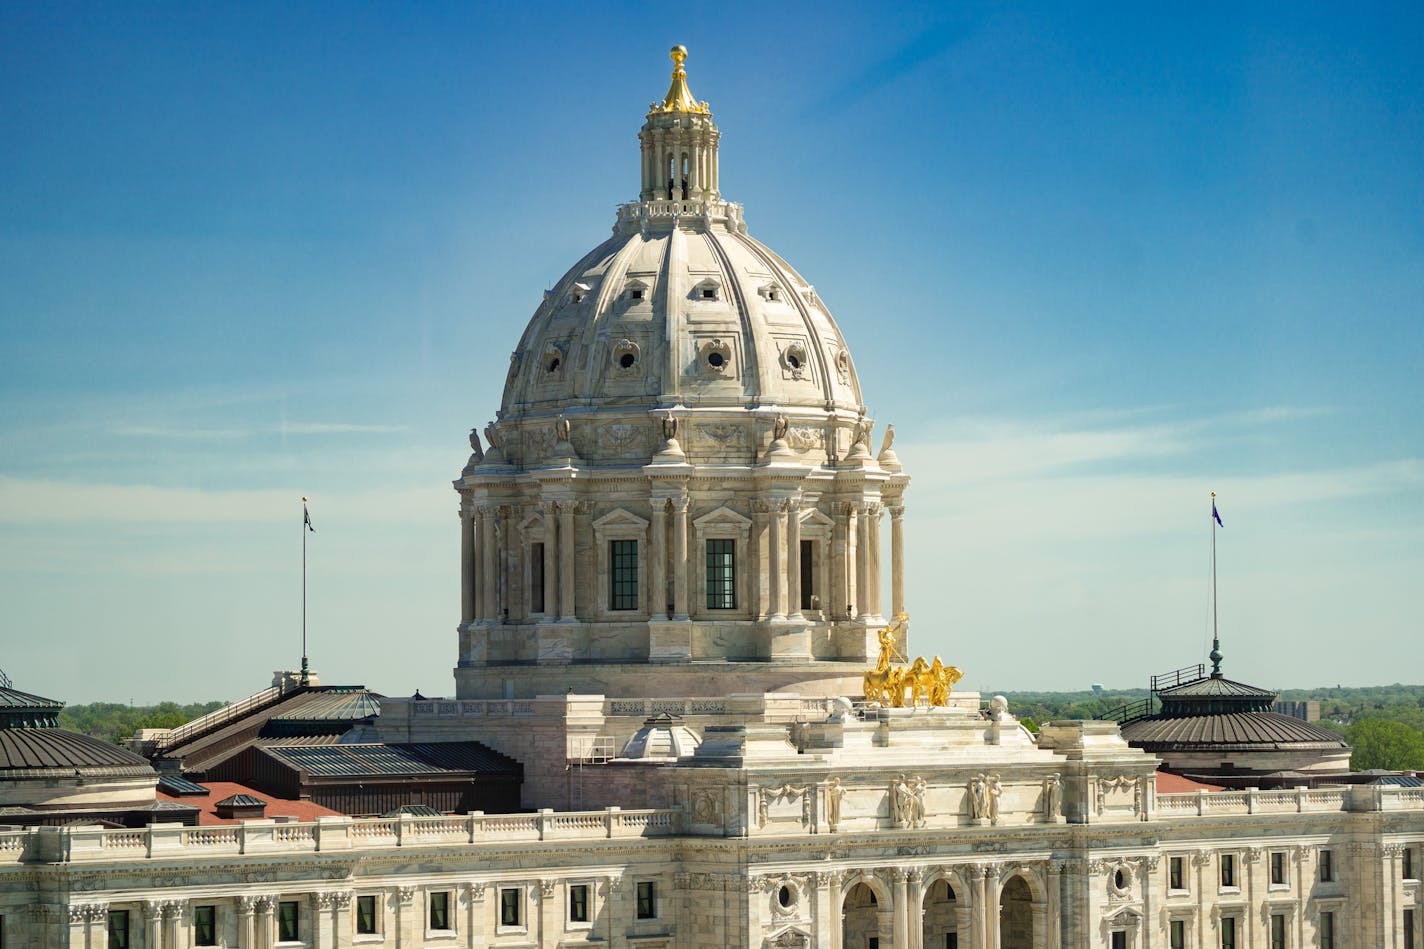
888 439
779 428
834 793
1052 797
984 792
707 806
907 801
477 451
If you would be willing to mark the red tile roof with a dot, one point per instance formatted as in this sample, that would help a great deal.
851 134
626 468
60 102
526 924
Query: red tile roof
1168 783
276 806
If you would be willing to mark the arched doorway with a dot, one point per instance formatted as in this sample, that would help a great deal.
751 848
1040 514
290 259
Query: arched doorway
1016 915
945 917
865 919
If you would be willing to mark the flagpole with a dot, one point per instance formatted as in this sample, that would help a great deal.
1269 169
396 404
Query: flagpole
306 522
1215 656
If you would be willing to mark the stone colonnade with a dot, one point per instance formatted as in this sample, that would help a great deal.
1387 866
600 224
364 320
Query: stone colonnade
492 550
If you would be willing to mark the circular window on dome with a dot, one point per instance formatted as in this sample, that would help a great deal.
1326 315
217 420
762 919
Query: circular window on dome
793 360
786 896
716 356
552 362
625 357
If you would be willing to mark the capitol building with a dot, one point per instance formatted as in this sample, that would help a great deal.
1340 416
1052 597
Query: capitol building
670 624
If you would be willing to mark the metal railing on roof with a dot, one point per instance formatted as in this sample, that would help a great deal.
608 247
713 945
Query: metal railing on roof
219 717
1131 712
1170 680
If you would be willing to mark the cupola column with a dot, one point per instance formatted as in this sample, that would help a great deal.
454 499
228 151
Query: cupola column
679 557
551 560
775 561
793 559
467 565
657 562
566 562
873 555
897 559
863 594
489 584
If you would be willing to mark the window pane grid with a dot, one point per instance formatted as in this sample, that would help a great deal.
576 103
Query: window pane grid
721 585
623 594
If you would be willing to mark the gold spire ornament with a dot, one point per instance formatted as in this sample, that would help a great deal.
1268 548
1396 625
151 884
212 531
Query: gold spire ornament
679 97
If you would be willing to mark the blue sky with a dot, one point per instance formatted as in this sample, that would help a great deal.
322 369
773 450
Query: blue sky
1093 264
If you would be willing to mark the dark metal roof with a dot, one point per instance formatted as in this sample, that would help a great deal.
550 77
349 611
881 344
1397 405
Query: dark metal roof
334 705
1214 687
1399 781
380 759
413 810
180 786
14 698
56 749
1230 731
241 800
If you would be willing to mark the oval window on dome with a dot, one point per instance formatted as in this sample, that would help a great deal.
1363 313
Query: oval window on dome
553 364
716 360
626 360
792 361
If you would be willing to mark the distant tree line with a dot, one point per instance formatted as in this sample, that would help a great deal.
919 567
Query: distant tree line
1384 724
114 722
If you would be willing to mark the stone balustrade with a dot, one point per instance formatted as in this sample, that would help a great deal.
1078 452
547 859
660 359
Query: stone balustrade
99 844
1360 797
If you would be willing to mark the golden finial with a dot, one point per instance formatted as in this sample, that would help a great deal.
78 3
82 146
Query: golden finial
679 97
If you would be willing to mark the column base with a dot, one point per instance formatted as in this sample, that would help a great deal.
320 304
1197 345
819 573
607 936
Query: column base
788 638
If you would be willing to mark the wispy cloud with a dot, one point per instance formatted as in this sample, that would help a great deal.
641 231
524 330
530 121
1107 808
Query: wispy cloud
199 433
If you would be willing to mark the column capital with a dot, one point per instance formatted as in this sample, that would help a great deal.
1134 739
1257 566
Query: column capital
897 511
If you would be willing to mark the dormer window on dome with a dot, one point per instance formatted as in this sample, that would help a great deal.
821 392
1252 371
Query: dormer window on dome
770 292
635 291
709 290
579 293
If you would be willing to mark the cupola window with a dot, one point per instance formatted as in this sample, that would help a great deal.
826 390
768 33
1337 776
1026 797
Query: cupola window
716 356
707 290
579 293
635 293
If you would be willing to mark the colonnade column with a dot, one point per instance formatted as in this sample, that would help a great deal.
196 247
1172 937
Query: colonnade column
153 924
262 930
657 560
900 935
489 598
467 565
774 562
897 559
1053 935
838 592
915 909
991 910
793 559
566 561
246 930
864 606
551 559
679 556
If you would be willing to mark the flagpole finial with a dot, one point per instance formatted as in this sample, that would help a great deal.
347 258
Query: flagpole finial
304 500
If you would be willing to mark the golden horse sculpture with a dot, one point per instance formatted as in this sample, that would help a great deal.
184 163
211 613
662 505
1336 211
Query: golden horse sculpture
928 682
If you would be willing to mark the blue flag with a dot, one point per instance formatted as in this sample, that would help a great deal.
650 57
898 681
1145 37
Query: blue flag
1214 513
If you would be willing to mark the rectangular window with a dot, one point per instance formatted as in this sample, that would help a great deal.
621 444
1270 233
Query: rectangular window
365 915
1177 934
1119 939
439 911
1278 867
647 900
721 585
205 928
1327 931
623 577
287 930
1228 869
509 907
1409 929
1278 931
1174 873
808 574
536 577
1409 863
951 941
1228 932
1327 867
578 903
118 929
872 943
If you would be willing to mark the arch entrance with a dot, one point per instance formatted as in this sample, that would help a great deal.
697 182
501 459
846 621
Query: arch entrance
866 919
1016 912
945 917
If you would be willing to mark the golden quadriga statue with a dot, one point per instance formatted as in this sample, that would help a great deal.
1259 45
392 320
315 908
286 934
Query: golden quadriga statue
929 683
